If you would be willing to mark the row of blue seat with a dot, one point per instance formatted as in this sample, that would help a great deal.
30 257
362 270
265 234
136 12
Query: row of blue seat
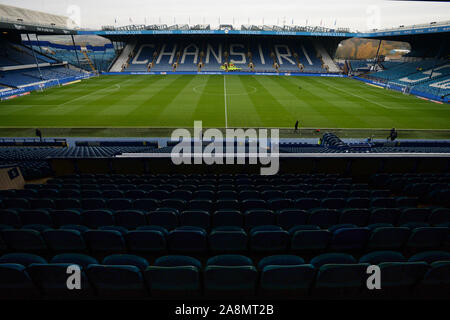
151 239
149 204
172 218
232 275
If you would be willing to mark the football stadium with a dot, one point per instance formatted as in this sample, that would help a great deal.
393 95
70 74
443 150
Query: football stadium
192 162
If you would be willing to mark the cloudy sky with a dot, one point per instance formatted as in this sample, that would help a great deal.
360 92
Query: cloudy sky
356 14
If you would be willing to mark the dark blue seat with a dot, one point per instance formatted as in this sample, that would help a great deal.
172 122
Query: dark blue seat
146 241
438 216
130 219
310 240
166 219
174 276
430 256
357 217
120 204
24 259
358 203
291 280
63 204
24 240
335 280
36 217
288 218
427 237
223 218
51 279
254 218
268 238
253 204
15 282
436 281
350 238
187 240
105 241
413 215
280 260
388 238
97 218
93 203
126 260
16 203
117 281
323 218
145 204
333 203
236 280
377 257
400 277
79 259
332 258
10 217
228 239
196 218
229 260
384 215
64 240
307 203
383 202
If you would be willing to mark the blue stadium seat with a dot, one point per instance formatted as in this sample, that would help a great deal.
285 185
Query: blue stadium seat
126 260
174 276
10 218
310 240
388 238
36 217
350 239
384 215
377 257
227 218
288 218
64 240
79 259
430 256
117 281
332 258
166 219
105 241
324 218
97 218
268 238
24 240
130 219
51 279
15 282
280 260
63 217
289 280
187 239
24 259
436 281
228 239
413 215
427 238
399 278
196 218
146 241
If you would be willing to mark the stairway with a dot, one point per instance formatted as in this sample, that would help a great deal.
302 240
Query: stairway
327 60
122 60
89 61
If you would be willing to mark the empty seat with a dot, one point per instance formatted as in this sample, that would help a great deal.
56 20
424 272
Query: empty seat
166 219
357 217
146 241
105 241
307 203
187 239
120 204
438 216
228 239
350 238
427 237
93 203
126 260
333 203
280 260
222 218
291 280
413 215
378 257
196 218
63 217
97 218
332 258
430 256
41 217
384 215
358 202
401 277
10 218
436 281
117 281
52 278
64 240
24 259
24 240
268 238
310 240
288 218
130 219
254 218
236 280
145 204
323 217
79 259
15 282
389 238
340 280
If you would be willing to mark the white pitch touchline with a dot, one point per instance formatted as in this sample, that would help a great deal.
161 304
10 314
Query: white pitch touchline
225 98
358 96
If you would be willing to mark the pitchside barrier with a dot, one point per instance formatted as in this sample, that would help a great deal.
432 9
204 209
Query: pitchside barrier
233 72
9 94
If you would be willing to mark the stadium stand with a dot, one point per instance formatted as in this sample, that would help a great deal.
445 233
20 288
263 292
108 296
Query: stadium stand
312 246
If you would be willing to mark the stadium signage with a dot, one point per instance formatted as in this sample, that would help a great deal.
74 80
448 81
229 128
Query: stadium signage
208 147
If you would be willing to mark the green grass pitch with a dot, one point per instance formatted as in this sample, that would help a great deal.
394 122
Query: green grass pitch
222 101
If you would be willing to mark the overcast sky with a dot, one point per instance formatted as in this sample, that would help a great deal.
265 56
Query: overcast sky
356 14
